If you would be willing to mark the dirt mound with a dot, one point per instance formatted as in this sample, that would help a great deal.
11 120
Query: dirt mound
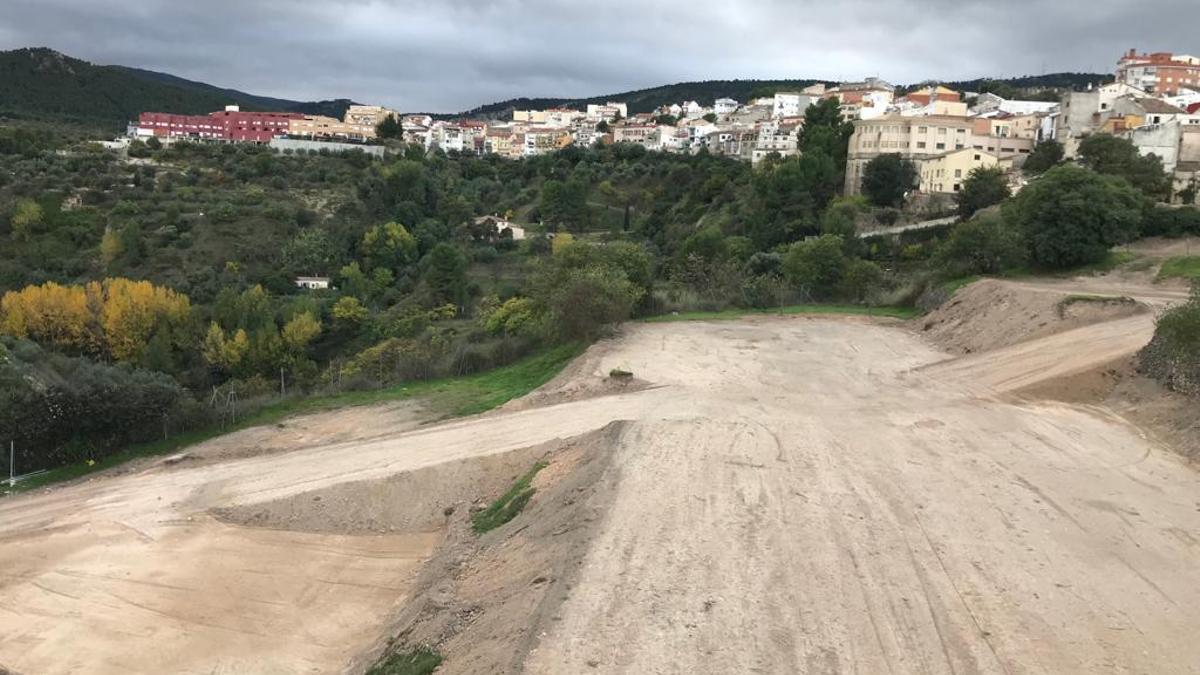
481 601
415 501
991 314
583 378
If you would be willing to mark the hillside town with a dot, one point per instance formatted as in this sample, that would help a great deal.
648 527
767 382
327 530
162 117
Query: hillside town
1154 101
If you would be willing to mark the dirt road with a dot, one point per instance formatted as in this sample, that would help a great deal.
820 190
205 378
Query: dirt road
837 515
795 495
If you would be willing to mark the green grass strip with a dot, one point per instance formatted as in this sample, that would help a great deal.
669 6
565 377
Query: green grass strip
730 314
1180 267
508 505
419 661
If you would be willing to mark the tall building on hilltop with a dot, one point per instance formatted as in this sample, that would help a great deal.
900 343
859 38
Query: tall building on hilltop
1160 72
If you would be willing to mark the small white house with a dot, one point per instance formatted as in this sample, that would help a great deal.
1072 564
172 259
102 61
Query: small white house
312 283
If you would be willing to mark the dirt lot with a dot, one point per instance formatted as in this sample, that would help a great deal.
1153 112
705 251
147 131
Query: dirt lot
779 495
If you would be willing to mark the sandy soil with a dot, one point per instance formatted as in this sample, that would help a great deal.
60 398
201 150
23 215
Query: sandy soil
790 495
993 313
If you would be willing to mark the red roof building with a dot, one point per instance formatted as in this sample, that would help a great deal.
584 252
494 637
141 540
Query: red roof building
230 124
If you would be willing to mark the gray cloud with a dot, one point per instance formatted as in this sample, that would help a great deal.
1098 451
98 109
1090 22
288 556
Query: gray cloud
449 55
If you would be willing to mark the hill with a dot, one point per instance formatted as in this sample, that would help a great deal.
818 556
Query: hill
42 84
705 92
645 100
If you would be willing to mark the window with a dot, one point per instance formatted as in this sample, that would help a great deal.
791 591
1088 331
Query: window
958 173
921 130
977 157
941 146
920 145
941 131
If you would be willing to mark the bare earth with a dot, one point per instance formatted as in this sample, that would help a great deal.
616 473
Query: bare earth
788 495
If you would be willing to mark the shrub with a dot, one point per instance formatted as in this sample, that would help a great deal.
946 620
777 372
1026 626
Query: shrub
984 245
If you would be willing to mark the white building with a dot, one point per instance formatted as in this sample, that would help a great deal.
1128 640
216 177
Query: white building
725 106
312 283
607 112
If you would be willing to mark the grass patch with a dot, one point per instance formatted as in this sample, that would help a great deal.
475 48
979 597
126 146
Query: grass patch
1185 267
1097 299
453 397
508 505
730 314
419 661
952 286
1111 261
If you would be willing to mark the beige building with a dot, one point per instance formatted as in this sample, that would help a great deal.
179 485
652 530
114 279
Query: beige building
359 124
914 138
529 116
946 172
920 138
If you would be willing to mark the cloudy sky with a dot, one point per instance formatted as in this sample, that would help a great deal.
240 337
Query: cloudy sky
450 55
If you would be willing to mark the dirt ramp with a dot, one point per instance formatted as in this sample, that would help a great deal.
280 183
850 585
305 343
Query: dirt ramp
416 501
482 600
991 314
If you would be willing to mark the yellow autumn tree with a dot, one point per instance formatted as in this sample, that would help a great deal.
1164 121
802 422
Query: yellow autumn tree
226 353
111 247
134 310
50 314
300 331
117 316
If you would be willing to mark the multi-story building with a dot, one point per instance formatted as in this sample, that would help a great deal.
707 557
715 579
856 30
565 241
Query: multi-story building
230 124
642 134
947 171
725 106
608 112
1160 72
863 100
794 103
914 138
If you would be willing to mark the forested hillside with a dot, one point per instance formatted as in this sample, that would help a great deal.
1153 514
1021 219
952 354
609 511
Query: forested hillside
42 85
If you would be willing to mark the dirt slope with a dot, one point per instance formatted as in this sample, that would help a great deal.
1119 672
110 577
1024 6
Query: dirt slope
993 313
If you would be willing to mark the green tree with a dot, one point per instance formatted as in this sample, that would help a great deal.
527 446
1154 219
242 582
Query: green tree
790 196
348 311
310 252
1073 216
26 218
584 287
816 265
389 246
446 275
1045 156
388 127
983 187
1112 156
826 131
888 178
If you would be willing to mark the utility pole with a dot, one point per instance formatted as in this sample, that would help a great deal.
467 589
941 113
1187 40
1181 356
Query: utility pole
12 463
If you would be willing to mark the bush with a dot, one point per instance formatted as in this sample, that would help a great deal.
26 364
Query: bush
1164 221
1173 355
1073 216
816 265
985 245
61 409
